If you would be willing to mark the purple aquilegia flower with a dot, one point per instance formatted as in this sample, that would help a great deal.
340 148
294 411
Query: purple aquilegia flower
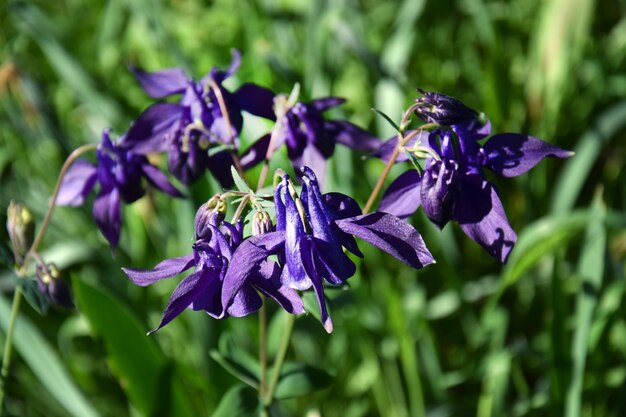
311 232
213 254
452 185
197 123
119 172
311 139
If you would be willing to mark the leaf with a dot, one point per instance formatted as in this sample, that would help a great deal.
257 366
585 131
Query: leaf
30 289
46 364
6 255
239 182
541 238
134 358
388 119
240 401
237 367
590 269
297 379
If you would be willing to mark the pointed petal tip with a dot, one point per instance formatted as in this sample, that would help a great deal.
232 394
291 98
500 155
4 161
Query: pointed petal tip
328 325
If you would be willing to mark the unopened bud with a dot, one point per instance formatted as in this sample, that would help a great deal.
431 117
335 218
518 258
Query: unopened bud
51 285
443 110
21 228
261 223
211 212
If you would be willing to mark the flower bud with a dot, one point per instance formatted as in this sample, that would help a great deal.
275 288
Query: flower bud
443 110
51 285
261 223
211 212
21 228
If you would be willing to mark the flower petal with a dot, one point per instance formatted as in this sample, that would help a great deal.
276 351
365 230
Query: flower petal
77 183
352 136
256 152
389 233
148 132
219 165
182 297
162 83
267 280
402 198
308 263
107 213
511 154
256 100
159 180
165 269
323 104
480 214
245 262
246 301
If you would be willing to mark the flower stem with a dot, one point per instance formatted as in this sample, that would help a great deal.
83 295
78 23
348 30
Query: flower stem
21 269
263 348
280 360
402 140
8 344
46 220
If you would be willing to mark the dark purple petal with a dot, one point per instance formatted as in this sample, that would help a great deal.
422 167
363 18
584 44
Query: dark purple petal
480 214
219 165
246 301
442 109
245 262
77 183
255 153
294 275
256 100
352 136
148 133
389 233
162 83
511 154
165 269
107 213
437 192
311 157
267 280
323 104
182 297
402 197
159 180
308 263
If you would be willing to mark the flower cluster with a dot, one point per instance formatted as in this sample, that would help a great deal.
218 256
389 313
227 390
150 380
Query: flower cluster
307 245
312 230
452 185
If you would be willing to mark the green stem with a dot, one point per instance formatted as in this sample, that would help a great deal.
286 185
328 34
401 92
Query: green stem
278 364
46 221
8 345
263 348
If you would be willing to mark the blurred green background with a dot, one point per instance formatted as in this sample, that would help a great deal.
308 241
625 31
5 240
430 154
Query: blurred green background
544 335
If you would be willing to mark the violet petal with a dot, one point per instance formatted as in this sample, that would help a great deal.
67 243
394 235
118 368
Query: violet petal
165 269
107 213
162 83
402 198
77 183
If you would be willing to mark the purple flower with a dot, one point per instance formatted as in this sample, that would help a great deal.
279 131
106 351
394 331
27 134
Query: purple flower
51 285
197 123
213 255
119 172
452 185
311 139
311 232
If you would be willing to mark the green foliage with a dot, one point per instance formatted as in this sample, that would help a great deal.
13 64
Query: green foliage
544 335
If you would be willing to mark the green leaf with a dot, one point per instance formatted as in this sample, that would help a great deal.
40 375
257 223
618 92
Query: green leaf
6 255
240 368
541 238
388 119
590 269
30 289
239 182
134 358
45 364
240 401
298 379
